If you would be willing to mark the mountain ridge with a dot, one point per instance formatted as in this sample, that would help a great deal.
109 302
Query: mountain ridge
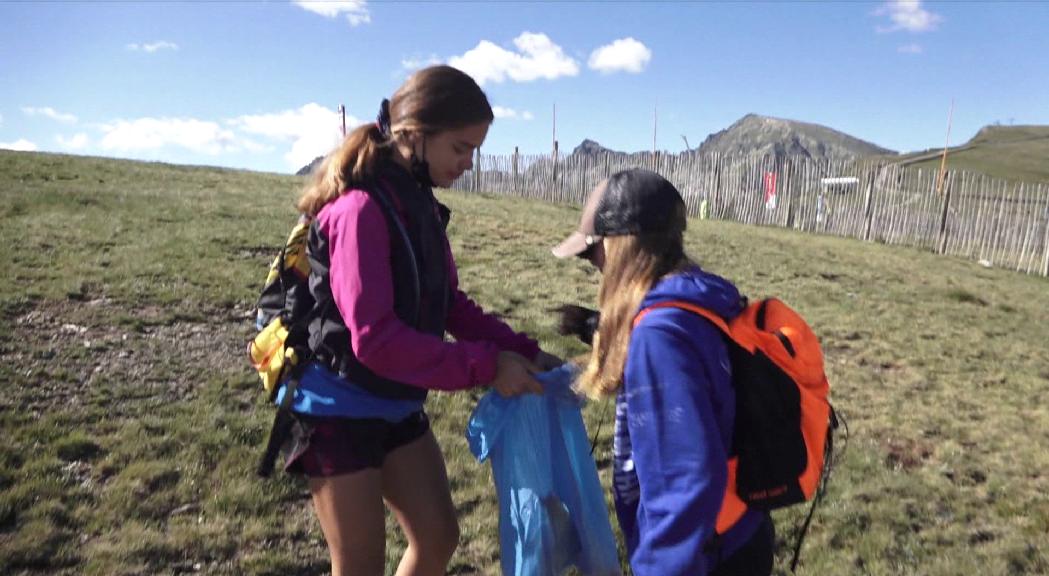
755 134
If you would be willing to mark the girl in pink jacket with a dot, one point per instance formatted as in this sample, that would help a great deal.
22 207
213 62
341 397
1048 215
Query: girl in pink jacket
386 291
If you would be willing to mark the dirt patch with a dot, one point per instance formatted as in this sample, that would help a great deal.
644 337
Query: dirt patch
906 453
65 354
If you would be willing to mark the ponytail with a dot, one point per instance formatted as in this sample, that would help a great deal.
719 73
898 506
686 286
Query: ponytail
432 100
353 162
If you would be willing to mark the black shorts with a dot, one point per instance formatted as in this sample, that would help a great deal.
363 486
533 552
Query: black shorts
332 446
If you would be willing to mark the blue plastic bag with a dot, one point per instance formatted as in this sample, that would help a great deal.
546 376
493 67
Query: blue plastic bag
552 512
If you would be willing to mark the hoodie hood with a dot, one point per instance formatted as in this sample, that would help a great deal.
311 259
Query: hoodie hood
695 286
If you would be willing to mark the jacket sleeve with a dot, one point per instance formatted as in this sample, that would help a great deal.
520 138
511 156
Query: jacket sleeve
468 322
678 452
362 286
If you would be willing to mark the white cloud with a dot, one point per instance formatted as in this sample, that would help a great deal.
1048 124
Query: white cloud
504 112
153 47
299 134
623 55
304 133
201 136
537 57
910 49
76 142
356 10
49 113
415 63
22 145
907 15
312 129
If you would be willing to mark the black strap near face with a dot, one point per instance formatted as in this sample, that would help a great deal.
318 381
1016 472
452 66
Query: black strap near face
382 121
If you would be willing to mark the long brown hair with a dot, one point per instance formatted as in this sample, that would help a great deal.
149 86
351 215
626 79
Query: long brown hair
432 100
633 264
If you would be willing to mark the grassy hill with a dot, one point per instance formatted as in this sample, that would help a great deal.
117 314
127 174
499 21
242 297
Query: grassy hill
1016 153
132 424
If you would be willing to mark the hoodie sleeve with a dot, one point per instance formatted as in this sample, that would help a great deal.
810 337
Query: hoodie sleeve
362 286
678 452
468 322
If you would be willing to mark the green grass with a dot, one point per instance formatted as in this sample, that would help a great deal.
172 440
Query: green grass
132 422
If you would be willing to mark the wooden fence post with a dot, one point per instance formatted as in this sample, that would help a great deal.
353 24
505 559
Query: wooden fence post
867 202
553 175
1045 246
477 171
513 181
943 214
715 204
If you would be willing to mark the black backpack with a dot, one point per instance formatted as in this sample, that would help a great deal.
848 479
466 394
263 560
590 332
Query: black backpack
280 349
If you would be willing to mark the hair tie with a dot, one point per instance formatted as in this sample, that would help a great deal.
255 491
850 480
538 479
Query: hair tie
382 122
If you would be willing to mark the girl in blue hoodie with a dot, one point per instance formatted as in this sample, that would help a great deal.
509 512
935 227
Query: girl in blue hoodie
671 378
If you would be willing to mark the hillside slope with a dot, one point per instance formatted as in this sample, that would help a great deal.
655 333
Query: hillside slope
1017 153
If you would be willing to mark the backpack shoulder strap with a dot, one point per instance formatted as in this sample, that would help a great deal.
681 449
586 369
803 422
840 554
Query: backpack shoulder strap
709 315
387 202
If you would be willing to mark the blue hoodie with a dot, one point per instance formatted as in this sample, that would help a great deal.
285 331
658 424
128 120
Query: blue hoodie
674 421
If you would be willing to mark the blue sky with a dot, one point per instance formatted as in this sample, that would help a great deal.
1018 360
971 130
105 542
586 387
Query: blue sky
257 85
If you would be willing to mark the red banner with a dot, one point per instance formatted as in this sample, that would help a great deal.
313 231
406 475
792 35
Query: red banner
770 190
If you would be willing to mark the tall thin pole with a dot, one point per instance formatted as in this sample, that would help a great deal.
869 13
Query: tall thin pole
655 125
554 134
943 160
342 113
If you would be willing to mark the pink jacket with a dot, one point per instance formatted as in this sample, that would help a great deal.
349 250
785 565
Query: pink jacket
361 283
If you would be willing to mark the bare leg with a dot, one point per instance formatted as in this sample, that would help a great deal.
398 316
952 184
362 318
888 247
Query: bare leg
352 518
415 485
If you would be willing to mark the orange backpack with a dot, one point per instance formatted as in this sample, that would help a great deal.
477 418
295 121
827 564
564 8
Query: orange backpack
782 438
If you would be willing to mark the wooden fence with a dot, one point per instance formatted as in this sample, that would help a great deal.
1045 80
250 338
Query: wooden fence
998 223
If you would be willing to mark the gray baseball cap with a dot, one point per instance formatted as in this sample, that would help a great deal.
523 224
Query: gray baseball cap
585 236
628 202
